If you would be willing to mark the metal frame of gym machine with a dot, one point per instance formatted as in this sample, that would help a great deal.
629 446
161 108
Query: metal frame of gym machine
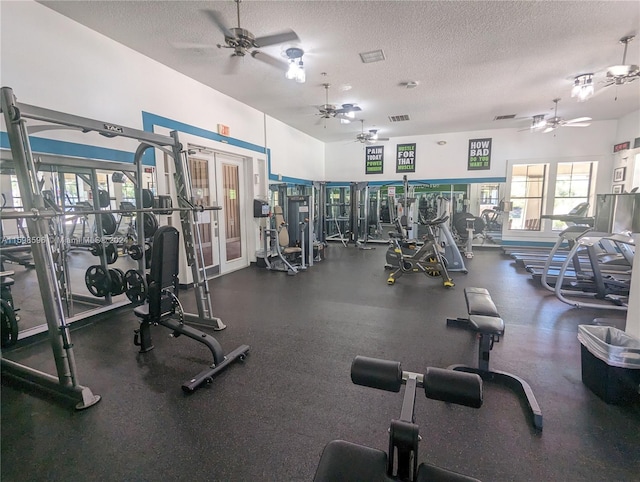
15 114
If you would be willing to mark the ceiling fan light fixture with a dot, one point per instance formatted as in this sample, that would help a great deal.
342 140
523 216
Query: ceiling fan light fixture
292 70
539 122
583 87
301 76
296 69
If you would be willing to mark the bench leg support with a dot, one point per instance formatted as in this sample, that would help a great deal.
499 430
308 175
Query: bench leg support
512 381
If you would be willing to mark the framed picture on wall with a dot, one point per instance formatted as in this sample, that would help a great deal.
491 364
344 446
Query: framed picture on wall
617 189
618 174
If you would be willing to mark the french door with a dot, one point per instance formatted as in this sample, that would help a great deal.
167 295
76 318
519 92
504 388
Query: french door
219 179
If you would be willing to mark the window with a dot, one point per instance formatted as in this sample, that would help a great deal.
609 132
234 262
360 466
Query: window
573 184
527 189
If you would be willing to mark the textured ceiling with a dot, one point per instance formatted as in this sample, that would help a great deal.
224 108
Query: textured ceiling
473 60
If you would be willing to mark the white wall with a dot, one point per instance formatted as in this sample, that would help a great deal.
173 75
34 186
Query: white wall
345 161
51 61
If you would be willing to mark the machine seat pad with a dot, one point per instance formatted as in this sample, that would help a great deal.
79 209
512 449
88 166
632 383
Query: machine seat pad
142 311
348 462
291 250
479 302
489 325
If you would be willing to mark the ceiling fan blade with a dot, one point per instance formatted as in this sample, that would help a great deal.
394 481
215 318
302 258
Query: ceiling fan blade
548 129
191 45
346 110
277 38
577 124
268 59
215 17
578 119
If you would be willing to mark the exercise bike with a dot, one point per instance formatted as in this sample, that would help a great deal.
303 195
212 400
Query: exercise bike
429 259
346 462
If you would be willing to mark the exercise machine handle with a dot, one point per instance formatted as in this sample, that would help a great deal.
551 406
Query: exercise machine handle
454 387
439 384
376 373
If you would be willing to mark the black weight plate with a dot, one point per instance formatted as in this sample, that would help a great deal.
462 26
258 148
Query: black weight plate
111 252
97 280
103 198
117 282
8 325
150 225
147 198
135 251
136 287
95 249
109 224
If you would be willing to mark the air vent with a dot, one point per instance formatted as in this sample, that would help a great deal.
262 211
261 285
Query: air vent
399 118
504 117
373 56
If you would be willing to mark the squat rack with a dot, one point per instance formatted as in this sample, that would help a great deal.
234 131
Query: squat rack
36 215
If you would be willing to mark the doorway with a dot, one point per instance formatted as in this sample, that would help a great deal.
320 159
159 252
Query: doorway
219 179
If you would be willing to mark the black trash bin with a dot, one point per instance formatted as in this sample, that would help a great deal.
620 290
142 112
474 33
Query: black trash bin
610 363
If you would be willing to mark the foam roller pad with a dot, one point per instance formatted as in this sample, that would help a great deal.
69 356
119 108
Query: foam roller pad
453 387
376 373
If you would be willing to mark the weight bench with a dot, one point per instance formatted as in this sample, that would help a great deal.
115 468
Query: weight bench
485 320
162 303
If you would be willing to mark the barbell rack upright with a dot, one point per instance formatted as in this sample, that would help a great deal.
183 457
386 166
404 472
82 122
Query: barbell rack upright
67 382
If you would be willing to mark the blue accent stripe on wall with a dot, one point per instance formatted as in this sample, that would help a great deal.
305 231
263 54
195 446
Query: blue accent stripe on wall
63 148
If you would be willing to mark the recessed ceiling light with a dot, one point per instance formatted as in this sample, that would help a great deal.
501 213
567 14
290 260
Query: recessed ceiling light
441 143
412 84
373 56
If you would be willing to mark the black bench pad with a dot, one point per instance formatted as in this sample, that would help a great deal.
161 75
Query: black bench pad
479 302
490 325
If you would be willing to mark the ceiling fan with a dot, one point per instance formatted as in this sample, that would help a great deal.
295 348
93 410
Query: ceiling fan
243 42
369 137
547 125
622 74
346 113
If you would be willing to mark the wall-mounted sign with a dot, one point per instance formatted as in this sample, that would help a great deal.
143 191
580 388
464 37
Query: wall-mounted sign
374 159
623 146
223 130
479 154
406 158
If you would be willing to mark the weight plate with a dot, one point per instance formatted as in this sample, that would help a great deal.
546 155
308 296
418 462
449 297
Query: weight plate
8 325
111 252
95 249
109 224
103 198
147 198
150 225
135 251
98 281
117 282
136 286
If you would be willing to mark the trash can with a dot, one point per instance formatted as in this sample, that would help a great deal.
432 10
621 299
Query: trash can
610 360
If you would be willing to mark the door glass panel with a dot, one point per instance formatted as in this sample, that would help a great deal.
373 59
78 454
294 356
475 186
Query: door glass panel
231 187
199 169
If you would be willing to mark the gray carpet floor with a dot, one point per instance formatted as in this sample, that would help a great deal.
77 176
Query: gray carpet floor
269 417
